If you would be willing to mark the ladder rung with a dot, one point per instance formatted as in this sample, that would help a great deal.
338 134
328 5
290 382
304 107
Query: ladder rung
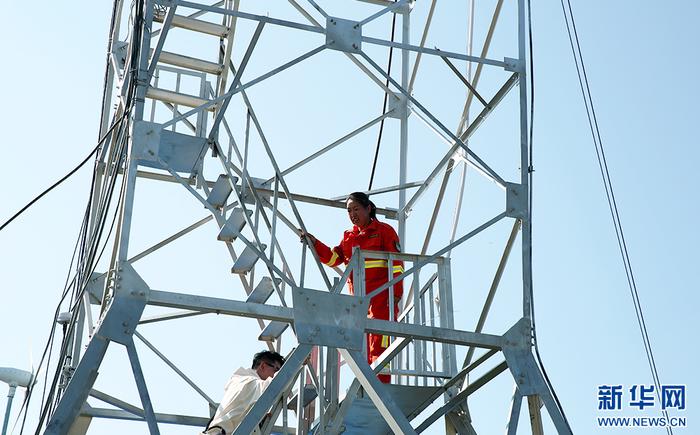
190 63
196 25
220 192
309 395
263 290
246 261
273 331
233 226
177 98
281 430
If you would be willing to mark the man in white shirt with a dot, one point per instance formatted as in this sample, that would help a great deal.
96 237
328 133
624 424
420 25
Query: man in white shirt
242 391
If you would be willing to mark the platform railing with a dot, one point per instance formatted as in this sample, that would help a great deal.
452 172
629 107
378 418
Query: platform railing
426 302
183 80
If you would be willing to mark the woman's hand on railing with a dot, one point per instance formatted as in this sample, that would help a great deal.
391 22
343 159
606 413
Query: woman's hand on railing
303 236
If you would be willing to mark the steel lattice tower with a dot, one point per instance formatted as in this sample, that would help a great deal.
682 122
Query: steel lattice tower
232 104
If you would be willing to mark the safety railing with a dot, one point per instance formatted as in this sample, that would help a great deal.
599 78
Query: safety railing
427 301
181 87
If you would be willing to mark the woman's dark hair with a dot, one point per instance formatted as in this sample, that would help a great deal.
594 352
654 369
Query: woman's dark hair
363 199
268 357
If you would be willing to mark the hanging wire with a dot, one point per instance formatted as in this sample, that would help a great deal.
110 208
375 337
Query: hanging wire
386 100
90 252
85 266
607 182
85 254
530 170
57 183
80 249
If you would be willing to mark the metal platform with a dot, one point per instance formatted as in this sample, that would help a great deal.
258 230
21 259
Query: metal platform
363 417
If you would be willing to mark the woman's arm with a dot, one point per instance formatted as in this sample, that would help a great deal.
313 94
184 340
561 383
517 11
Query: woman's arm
329 257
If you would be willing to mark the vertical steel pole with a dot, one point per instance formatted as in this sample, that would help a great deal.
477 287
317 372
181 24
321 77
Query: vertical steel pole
524 160
300 403
10 396
113 38
321 391
534 404
403 151
149 413
104 122
78 334
514 412
142 81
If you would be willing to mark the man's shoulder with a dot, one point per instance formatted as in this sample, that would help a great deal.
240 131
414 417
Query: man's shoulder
241 378
246 373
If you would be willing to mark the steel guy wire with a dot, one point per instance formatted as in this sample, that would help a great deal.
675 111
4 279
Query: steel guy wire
607 182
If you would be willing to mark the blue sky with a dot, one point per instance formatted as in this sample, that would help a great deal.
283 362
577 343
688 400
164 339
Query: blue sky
641 66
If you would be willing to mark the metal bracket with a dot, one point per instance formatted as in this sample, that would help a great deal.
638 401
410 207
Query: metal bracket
130 299
516 201
151 143
518 336
406 8
529 379
146 139
327 319
514 65
96 287
258 183
398 107
119 51
343 35
516 350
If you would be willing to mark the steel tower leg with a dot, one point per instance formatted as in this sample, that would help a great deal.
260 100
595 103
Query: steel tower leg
529 380
118 325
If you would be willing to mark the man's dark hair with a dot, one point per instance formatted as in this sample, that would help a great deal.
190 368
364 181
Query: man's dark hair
267 356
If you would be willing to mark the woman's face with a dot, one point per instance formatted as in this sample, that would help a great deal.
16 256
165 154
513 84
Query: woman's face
358 213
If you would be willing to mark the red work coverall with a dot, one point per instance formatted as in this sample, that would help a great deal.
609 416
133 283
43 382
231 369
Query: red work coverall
377 236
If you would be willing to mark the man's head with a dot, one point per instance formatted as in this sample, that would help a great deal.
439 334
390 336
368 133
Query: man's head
267 363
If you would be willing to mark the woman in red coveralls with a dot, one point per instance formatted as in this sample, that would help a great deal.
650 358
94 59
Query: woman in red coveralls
368 234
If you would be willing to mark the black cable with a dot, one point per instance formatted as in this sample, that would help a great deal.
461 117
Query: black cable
64 178
103 208
90 264
72 285
94 241
612 203
53 398
87 253
88 209
47 354
48 347
530 170
110 41
86 265
386 100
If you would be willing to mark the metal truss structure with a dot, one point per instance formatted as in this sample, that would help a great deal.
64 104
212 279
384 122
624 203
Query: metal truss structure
202 98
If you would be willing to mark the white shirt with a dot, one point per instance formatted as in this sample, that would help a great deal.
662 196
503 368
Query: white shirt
240 394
